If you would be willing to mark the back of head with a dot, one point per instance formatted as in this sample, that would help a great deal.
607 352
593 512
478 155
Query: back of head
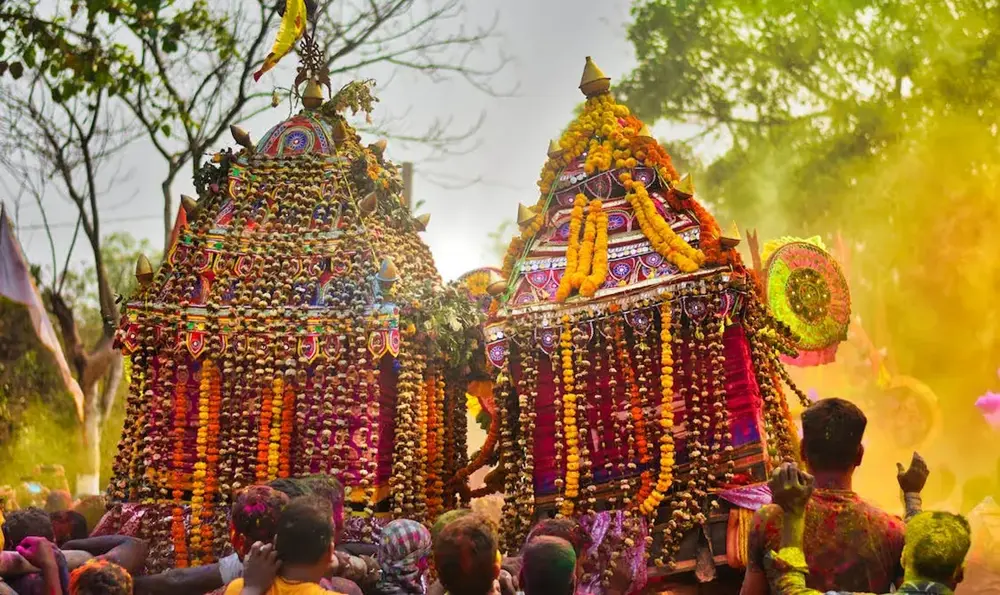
305 533
100 577
548 566
27 522
564 528
326 487
67 525
832 430
466 556
445 518
92 508
292 487
255 513
936 545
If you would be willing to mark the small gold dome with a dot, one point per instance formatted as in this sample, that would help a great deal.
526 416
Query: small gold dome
241 136
312 97
554 149
143 270
525 215
423 221
731 238
189 204
368 204
686 185
496 284
594 82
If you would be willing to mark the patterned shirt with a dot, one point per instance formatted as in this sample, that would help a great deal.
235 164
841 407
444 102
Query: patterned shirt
837 521
787 574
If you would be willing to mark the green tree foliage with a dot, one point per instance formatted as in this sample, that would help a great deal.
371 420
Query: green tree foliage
873 119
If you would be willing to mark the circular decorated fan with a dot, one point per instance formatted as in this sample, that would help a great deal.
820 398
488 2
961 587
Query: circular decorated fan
476 283
807 291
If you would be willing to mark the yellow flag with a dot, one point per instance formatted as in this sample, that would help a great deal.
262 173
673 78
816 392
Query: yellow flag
293 25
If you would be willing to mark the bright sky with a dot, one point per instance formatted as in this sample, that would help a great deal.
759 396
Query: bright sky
547 42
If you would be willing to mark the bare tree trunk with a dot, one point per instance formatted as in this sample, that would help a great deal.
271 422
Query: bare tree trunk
98 398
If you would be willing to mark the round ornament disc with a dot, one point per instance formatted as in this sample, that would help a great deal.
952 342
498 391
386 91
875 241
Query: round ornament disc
807 291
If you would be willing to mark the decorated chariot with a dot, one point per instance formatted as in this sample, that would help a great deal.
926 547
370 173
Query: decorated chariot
638 377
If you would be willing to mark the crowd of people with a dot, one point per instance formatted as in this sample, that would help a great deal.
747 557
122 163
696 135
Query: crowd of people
817 536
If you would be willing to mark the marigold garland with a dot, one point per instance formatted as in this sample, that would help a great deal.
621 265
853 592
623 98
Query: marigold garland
570 433
667 243
586 256
200 465
572 248
177 530
211 461
274 434
599 267
287 425
666 442
264 433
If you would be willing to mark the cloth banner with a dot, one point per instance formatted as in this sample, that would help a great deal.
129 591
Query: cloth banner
16 284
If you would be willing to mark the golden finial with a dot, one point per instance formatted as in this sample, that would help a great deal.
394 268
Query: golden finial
312 97
685 186
525 215
368 204
242 137
644 133
594 82
380 145
423 221
496 284
143 270
731 238
189 204
387 274
554 149
339 132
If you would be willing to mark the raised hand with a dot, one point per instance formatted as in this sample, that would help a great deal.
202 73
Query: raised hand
260 568
39 552
791 488
912 480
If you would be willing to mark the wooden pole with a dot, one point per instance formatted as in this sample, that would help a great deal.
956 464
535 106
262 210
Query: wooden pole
408 185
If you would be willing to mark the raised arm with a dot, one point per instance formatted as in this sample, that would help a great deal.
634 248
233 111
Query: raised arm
912 482
787 568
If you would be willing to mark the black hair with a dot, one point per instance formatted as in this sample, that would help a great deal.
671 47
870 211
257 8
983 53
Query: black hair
465 556
548 566
27 522
305 533
832 430
324 486
68 525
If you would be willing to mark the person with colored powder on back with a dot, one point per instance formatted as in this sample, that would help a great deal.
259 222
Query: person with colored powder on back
933 558
850 544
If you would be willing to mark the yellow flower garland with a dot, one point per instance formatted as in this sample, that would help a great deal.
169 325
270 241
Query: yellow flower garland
572 249
599 268
570 432
665 478
273 448
586 256
667 243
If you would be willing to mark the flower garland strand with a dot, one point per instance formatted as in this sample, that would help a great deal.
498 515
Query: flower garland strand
586 254
664 478
211 462
286 432
664 240
264 432
200 465
274 433
599 267
527 393
572 249
571 435
177 530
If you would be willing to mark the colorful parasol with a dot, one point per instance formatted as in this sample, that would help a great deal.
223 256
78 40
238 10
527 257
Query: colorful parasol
807 291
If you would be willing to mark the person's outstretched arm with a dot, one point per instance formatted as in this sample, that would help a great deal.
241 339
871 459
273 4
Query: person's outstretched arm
127 552
912 482
201 579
